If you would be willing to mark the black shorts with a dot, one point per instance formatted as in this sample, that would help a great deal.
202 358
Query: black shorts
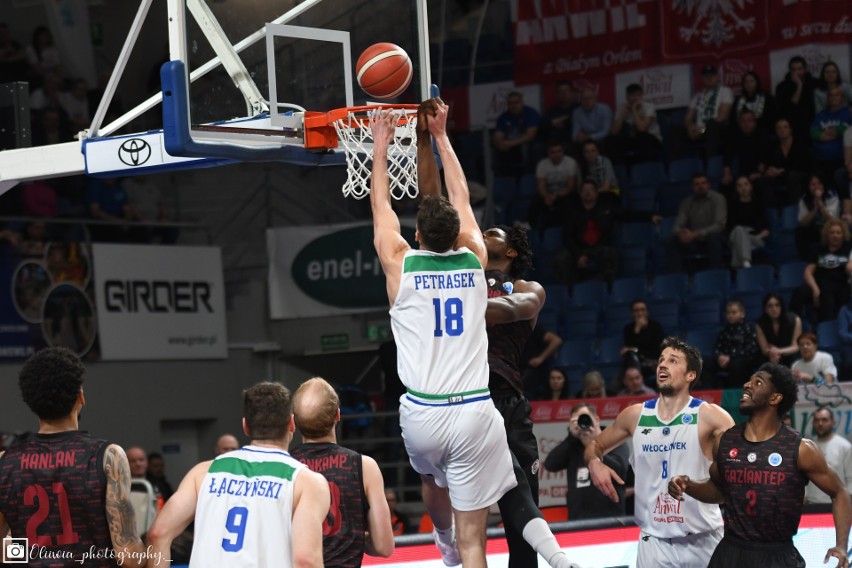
733 552
516 411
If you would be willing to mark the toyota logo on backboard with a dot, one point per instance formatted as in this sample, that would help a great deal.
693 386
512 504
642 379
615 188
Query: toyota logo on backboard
134 152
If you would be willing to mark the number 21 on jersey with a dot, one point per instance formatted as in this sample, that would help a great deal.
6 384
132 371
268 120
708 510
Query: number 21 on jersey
448 317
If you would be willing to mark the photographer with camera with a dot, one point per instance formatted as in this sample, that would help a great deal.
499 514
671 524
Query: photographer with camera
583 499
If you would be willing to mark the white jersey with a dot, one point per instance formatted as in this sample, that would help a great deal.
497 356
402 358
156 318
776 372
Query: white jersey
438 321
660 451
244 511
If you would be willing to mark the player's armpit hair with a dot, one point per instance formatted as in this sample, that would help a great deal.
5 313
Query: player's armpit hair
119 510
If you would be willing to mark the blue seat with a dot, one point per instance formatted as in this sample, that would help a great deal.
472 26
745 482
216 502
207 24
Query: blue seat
828 336
704 312
591 293
642 197
670 194
574 377
752 303
576 352
704 340
579 322
667 313
616 316
551 240
759 277
791 274
627 289
528 186
610 372
557 297
789 218
632 260
683 170
647 173
675 285
635 234
610 349
716 281
716 167
782 247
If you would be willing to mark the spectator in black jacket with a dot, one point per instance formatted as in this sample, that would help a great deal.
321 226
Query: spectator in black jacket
737 354
795 96
587 236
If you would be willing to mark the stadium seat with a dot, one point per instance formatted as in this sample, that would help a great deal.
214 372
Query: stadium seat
704 340
666 312
640 197
576 352
675 285
716 167
759 278
635 234
616 316
671 194
579 322
627 289
716 281
610 349
683 170
591 293
791 274
632 261
704 312
647 173
828 336
752 302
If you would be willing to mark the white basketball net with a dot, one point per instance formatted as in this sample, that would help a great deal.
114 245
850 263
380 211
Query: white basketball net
355 136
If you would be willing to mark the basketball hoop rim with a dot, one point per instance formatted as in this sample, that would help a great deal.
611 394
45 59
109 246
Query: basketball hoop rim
320 130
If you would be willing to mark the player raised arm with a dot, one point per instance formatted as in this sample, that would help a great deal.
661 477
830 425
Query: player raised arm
120 515
387 239
379 541
175 516
311 501
428 178
524 303
470 235
812 463
615 435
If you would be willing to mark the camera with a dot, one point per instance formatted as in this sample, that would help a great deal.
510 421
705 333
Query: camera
16 551
584 421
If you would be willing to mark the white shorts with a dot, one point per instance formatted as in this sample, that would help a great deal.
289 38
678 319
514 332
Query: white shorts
463 446
691 551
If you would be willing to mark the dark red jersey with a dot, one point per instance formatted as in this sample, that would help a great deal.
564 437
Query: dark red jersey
764 489
53 492
505 341
344 529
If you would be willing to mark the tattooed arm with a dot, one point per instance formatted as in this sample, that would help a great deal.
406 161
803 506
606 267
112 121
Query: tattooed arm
119 510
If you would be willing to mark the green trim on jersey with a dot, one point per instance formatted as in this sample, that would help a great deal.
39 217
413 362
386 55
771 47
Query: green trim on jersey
651 421
422 263
237 466
446 396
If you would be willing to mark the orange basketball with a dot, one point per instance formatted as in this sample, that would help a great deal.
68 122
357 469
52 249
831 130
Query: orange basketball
384 70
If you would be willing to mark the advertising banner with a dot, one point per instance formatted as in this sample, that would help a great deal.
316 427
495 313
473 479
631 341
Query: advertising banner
158 302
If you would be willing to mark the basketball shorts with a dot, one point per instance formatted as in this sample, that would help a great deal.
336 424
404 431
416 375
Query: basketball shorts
462 446
692 551
733 552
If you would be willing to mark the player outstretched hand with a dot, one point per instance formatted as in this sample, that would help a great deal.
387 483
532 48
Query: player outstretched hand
425 111
677 486
602 477
438 122
840 554
383 126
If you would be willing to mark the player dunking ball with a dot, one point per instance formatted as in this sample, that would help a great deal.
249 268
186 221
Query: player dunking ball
452 432
359 519
255 506
760 473
62 489
672 433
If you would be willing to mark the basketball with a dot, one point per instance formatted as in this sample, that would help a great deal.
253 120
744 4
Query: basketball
384 70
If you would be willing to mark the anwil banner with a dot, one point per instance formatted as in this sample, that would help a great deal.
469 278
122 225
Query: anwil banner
577 39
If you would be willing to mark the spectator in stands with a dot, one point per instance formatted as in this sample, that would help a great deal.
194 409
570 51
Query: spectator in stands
583 499
633 384
707 118
778 331
815 366
635 134
75 103
42 56
587 235
736 354
745 152
556 179
557 385
699 228
816 208
107 201
145 508
747 225
400 523
752 98
556 124
787 166
795 96
146 202
829 76
50 95
642 340
537 358
827 132
156 475
826 286
226 443
13 58
594 386
837 451
597 168
592 120
514 135
51 127
844 328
